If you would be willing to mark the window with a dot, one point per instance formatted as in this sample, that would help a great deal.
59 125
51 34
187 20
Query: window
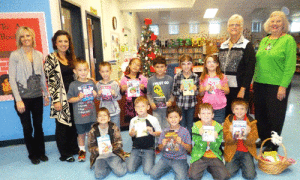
194 28
214 27
155 29
256 26
174 29
295 26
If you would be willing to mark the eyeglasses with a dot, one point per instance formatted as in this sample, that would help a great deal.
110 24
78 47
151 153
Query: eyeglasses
234 25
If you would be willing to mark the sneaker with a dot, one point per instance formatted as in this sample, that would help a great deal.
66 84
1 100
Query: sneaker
81 156
68 159
157 151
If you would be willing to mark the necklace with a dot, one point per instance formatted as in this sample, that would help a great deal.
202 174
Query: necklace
269 47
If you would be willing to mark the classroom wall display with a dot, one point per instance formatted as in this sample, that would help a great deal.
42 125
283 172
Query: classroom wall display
9 23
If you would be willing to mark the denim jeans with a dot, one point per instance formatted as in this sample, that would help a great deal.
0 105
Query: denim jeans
146 157
161 115
219 115
187 118
116 119
244 161
164 165
104 166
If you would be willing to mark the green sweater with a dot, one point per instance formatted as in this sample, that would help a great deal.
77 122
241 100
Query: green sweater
200 146
277 65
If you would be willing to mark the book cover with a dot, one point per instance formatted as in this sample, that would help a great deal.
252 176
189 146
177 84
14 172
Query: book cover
160 102
239 129
87 90
140 127
133 88
172 144
213 82
106 92
104 144
208 134
188 85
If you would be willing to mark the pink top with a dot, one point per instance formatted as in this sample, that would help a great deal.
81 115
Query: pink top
216 97
142 79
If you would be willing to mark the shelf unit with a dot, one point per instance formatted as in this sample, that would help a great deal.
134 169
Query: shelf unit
172 54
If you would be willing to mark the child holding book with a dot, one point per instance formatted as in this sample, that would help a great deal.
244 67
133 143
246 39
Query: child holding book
133 85
143 129
174 143
214 86
240 150
105 145
185 90
206 154
81 93
159 91
109 93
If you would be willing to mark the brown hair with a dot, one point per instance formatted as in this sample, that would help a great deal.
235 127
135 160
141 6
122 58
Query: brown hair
70 54
174 109
20 32
184 58
205 106
127 71
160 60
103 109
141 99
80 61
102 64
218 70
239 101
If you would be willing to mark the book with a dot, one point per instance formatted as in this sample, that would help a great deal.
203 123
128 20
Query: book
172 144
239 129
133 88
104 144
106 92
140 127
208 134
188 85
160 102
213 82
87 90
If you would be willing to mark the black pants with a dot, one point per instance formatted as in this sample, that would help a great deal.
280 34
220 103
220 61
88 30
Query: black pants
233 95
269 111
66 138
33 108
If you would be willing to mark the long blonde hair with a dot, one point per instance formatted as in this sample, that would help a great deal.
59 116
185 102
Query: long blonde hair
218 69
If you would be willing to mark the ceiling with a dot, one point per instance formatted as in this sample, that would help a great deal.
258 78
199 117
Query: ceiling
186 11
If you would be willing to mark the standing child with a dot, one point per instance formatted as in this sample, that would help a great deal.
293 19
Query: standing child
214 86
159 91
143 128
174 142
81 93
109 93
133 85
207 155
239 152
186 78
105 145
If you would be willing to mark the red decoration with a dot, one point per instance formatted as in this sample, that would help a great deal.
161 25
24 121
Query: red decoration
153 37
152 69
148 21
151 55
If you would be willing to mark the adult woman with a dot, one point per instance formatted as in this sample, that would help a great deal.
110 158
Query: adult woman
27 80
274 69
237 58
59 73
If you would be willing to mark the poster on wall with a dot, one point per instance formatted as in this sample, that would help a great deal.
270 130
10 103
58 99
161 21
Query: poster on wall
115 47
9 23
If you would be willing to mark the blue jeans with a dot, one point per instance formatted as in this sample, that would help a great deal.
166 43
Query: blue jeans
146 157
164 165
104 166
220 115
116 119
188 118
244 161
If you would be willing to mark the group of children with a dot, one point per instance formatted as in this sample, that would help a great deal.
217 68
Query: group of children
170 128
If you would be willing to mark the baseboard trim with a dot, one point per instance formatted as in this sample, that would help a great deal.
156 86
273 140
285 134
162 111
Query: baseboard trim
21 141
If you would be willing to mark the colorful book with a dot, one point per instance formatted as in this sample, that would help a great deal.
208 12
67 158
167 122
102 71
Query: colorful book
106 92
160 102
172 144
87 90
133 88
104 144
140 127
188 87
239 129
213 82
208 134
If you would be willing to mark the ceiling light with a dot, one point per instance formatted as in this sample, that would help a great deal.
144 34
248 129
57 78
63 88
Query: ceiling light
210 13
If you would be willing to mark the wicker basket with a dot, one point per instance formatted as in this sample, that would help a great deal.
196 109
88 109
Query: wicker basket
272 167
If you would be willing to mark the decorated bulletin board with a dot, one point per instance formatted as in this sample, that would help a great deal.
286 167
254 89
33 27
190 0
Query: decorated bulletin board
9 23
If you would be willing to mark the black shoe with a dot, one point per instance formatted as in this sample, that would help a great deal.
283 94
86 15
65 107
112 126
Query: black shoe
68 159
35 160
268 148
44 158
258 144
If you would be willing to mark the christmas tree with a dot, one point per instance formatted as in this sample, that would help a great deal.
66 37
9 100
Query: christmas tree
148 48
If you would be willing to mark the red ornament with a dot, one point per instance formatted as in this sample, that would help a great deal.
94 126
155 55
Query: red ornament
153 37
148 21
151 56
152 69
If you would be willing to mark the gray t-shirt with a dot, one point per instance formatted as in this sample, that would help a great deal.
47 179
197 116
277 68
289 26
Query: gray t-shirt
84 111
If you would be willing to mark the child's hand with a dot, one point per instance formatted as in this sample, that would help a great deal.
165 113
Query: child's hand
153 106
142 86
94 93
80 96
201 131
181 87
150 130
113 92
178 139
124 88
219 86
230 128
208 87
216 135
248 129
164 142
132 132
195 88
99 93
169 104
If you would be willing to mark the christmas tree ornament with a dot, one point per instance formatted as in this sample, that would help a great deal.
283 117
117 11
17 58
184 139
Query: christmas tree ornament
148 21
